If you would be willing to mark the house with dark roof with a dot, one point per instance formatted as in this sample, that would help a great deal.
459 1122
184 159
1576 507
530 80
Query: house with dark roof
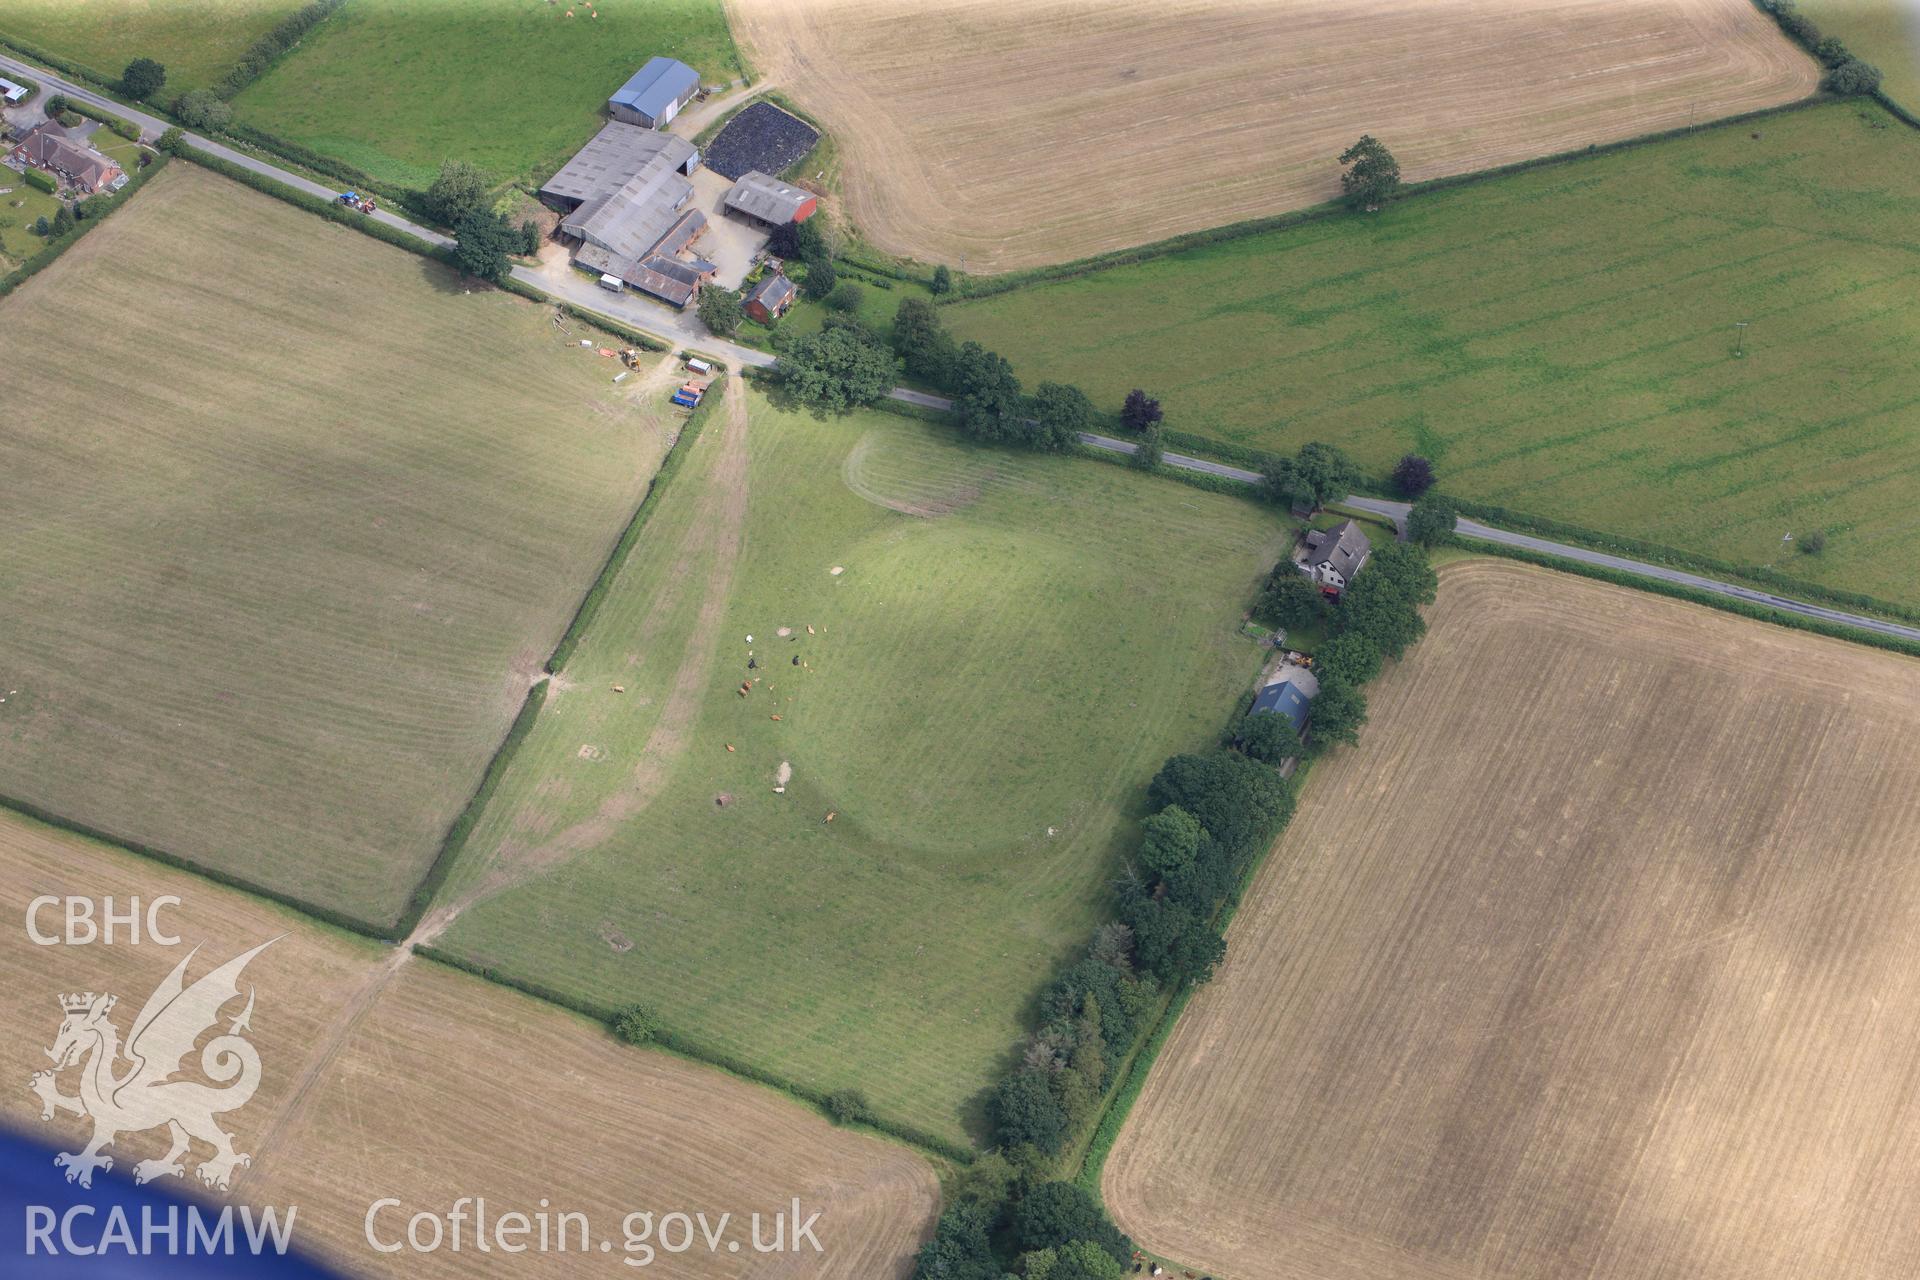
47 146
654 94
1334 556
769 201
1289 694
769 300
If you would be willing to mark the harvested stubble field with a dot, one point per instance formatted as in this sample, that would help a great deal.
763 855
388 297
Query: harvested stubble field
291 525
395 87
358 1045
1017 134
1561 342
1014 646
197 41
1595 959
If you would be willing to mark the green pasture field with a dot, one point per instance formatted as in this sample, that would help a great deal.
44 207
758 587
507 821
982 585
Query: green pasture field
983 694
1883 32
1562 341
195 40
292 522
394 87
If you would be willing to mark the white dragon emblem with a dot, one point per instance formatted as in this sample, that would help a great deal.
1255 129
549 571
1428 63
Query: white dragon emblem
145 1095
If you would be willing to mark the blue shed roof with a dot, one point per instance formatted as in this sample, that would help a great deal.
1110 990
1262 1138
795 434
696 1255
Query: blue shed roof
655 86
1285 698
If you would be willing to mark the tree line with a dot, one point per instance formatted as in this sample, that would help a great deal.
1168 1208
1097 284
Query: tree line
1213 813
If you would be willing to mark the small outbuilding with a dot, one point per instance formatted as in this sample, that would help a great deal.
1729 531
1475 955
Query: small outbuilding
1290 694
771 202
769 300
1334 556
655 94
11 92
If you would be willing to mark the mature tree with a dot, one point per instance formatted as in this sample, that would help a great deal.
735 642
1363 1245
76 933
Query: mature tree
62 220
820 279
926 349
1383 602
1237 800
839 368
142 79
201 110
800 240
1373 175
719 310
989 402
1853 76
942 279
1431 520
1169 842
1061 413
1290 599
1140 411
637 1025
1812 543
1413 475
1338 711
529 237
1023 1109
41 227
1057 1213
1317 474
849 1106
1351 656
482 244
1172 941
1268 737
846 297
91 207
1075 1260
961 1248
459 191
172 139
1830 51
1148 454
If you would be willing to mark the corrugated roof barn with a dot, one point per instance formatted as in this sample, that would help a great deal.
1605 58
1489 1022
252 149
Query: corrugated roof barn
769 200
628 185
655 93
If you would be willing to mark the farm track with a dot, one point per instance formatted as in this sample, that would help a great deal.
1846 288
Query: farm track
1017 135
1592 979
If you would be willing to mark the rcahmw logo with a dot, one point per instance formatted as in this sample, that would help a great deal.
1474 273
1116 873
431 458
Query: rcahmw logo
141 1083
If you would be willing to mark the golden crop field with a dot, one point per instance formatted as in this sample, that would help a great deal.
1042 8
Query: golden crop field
1012 135
1596 959
291 521
374 1070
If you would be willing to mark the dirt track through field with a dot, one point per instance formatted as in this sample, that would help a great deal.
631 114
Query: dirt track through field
1016 134
1595 960
704 561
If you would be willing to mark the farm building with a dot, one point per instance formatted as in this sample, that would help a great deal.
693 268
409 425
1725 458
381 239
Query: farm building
11 92
770 201
624 196
769 300
1288 695
46 146
1334 556
655 94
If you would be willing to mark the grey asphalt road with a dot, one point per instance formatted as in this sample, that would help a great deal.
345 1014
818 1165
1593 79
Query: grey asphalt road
630 309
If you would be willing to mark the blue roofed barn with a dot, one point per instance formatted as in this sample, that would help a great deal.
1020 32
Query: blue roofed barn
1289 695
655 94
